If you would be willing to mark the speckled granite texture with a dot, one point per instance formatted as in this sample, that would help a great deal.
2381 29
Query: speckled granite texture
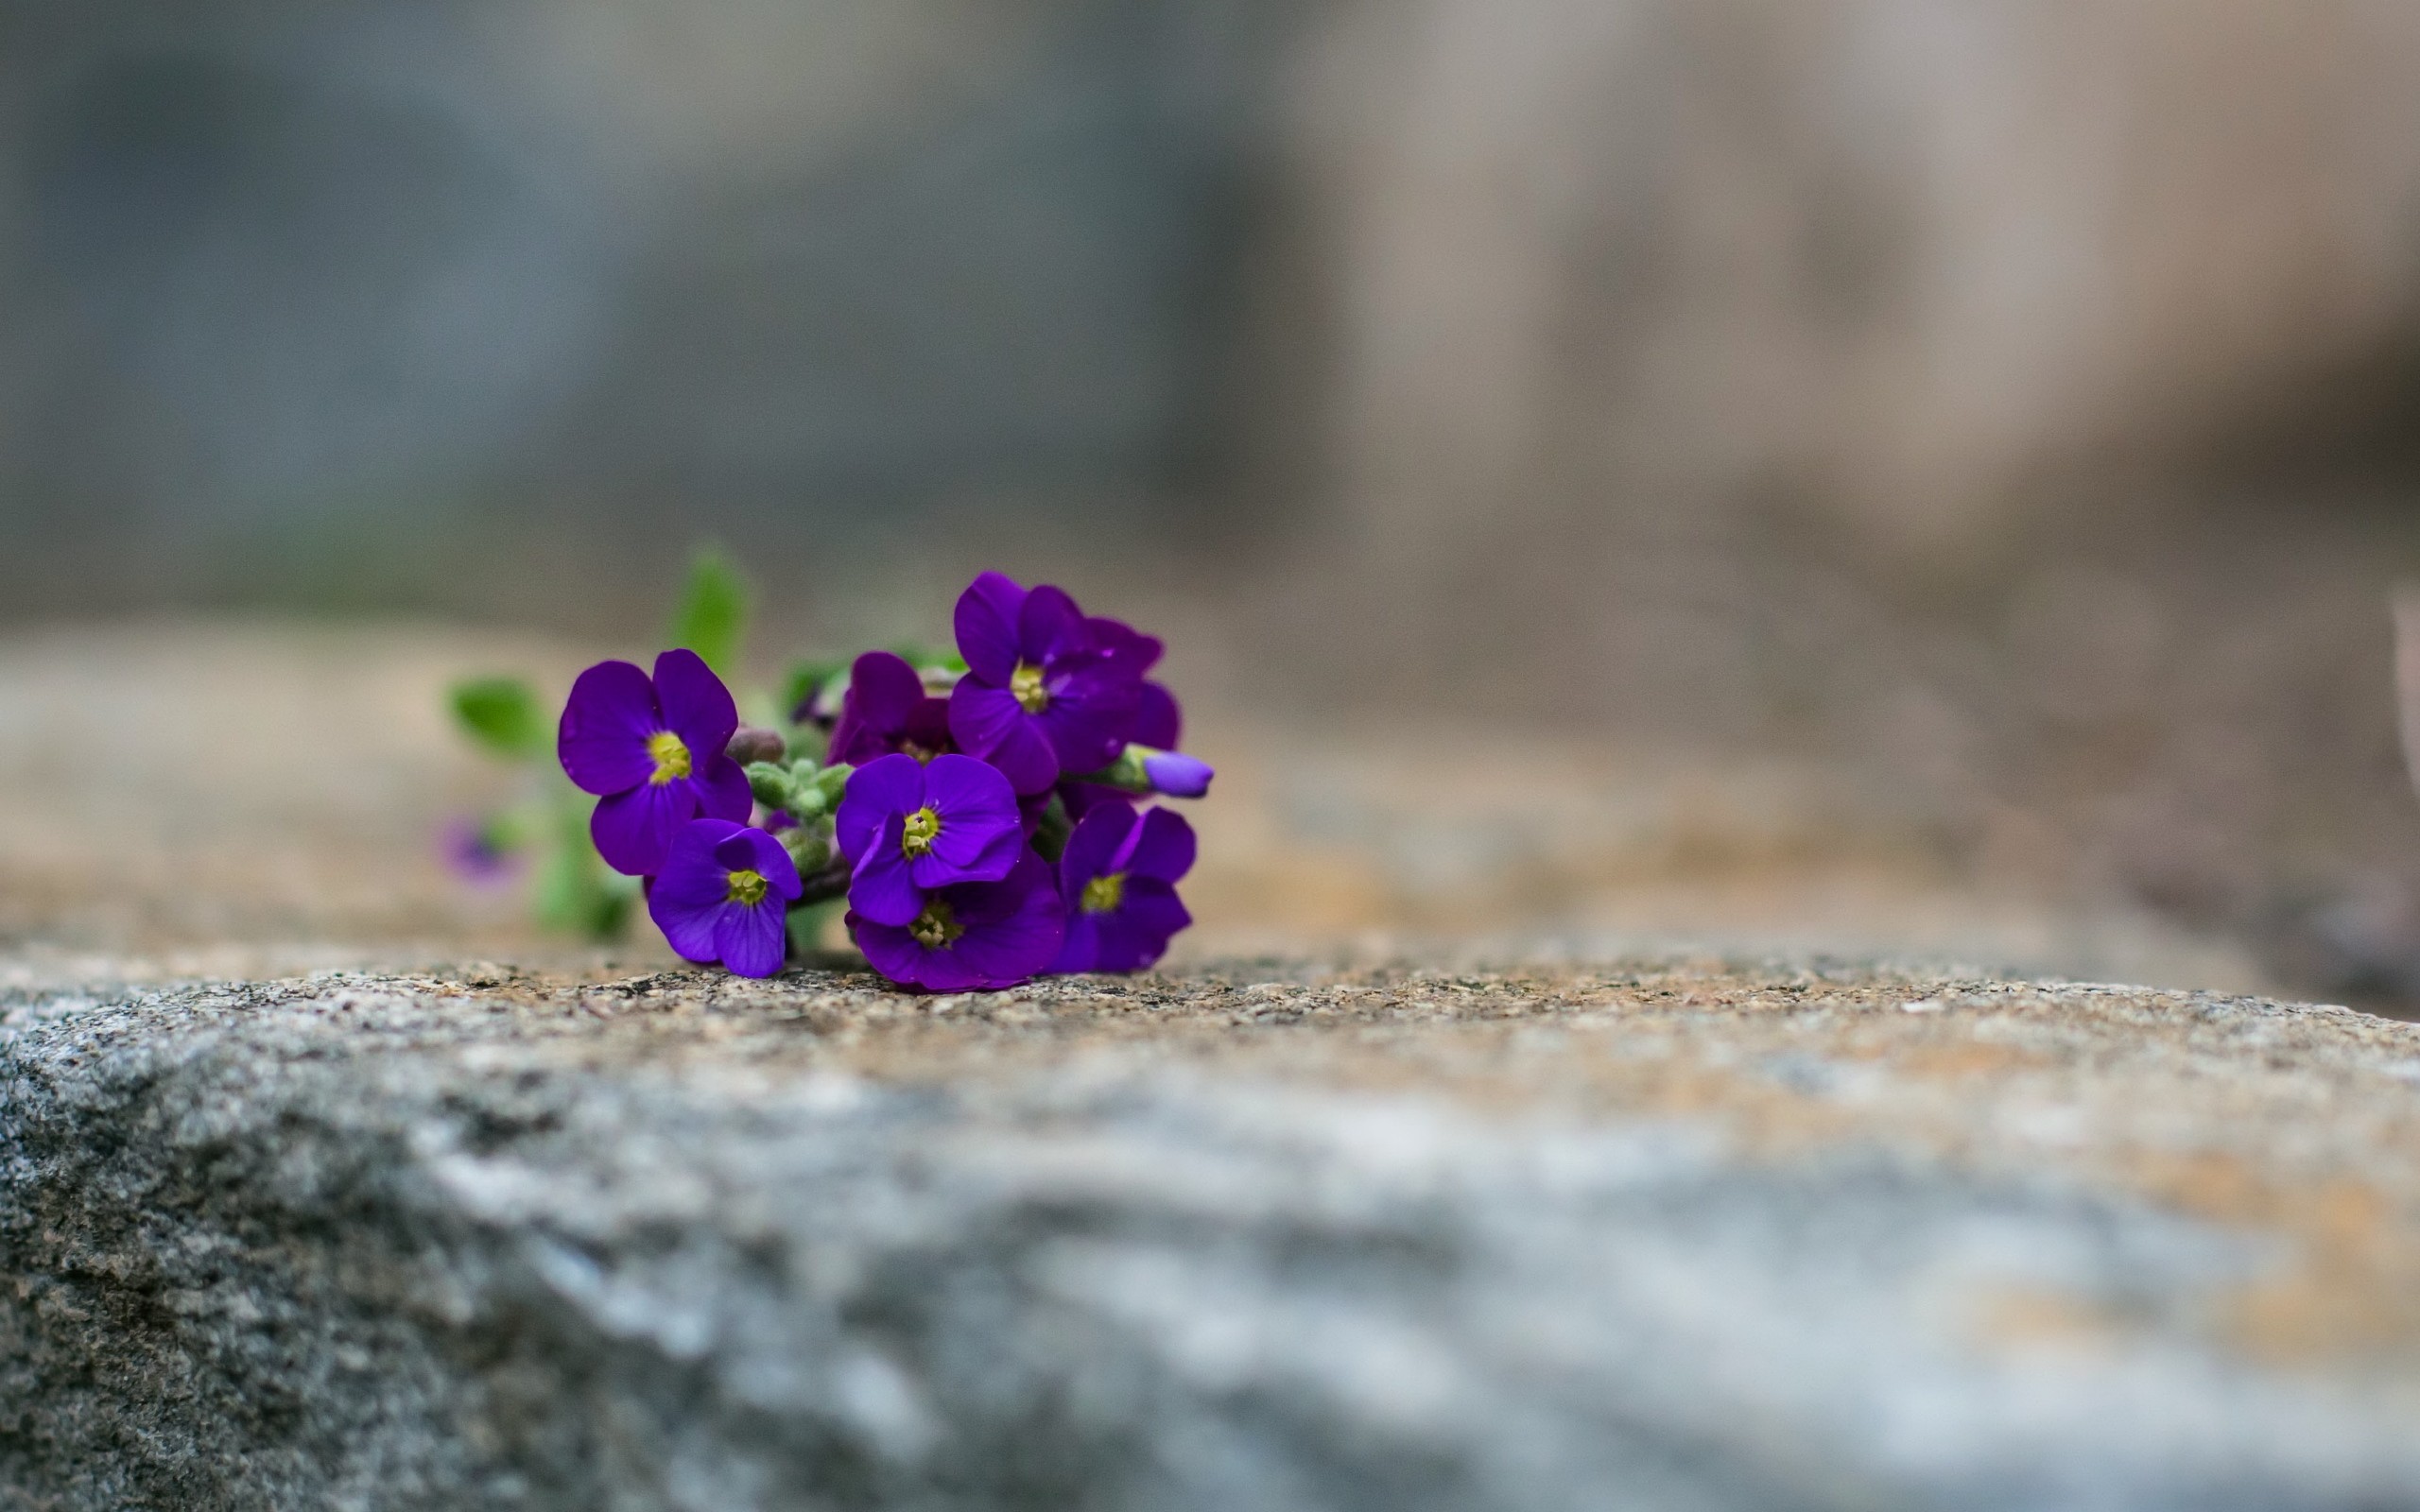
1675 1234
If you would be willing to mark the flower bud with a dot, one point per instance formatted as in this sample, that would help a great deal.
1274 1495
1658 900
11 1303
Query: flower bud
771 786
811 852
751 745
1174 773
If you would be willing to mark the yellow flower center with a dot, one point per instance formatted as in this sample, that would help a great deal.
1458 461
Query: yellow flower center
1026 683
916 836
936 927
746 887
1103 894
671 757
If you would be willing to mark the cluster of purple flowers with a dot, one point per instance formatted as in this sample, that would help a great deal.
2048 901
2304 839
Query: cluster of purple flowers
981 815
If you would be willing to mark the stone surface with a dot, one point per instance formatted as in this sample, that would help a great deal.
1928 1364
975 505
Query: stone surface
1662 1234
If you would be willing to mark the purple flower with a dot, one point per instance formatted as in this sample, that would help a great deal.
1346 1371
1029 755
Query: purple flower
479 852
971 935
653 751
907 827
724 896
886 710
1042 695
1117 881
1159 721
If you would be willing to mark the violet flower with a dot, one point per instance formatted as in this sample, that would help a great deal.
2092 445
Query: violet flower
971 935
653 750
1158 727
724 895
886 710
1042 694
477 851
907 827
1117 881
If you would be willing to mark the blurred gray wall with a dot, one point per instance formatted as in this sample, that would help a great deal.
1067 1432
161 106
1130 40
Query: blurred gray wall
1446 300
399 282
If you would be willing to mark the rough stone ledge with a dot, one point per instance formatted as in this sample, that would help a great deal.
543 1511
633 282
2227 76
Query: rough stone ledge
1664 1234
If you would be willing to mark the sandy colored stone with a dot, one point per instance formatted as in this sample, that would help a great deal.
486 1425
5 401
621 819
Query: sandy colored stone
1662 1233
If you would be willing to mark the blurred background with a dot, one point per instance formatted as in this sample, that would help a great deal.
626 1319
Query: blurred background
1906 475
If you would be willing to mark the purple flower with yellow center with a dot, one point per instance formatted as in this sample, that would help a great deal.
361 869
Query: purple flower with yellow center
1042 694
888 711
971 936
908 827
724 895
652 750
1117 881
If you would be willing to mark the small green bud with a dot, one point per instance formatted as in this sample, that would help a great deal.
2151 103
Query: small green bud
772 785
830 781
811 851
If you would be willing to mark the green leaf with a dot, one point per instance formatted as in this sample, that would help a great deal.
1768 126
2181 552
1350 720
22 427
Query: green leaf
573 891
713 616
501 713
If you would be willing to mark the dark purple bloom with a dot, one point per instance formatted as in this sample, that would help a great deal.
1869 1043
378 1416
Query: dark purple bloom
907 827
652 749
1042 695
1117 880
724 895
886 710
1159 721
971 935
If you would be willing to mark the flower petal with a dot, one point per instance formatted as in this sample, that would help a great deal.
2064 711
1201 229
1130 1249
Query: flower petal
721 787
696 707
1159 720
1152 910
1163 847
986 622
773 862
633 830
988 723
1016 932
1081 952
883 691
977 808
1090 715
694 888
601 739
1126 647
1092 848
884 788
1049 625
896 954
752 940
883 888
